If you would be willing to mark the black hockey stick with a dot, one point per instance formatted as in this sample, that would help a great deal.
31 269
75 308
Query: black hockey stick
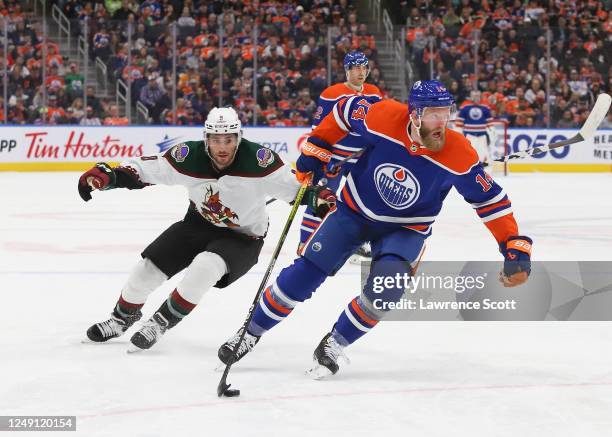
599 111
223 389
332 167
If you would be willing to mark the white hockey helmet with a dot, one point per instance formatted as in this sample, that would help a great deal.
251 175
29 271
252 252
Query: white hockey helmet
222 121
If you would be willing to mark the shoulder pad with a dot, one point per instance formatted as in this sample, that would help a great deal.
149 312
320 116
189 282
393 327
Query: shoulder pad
388 119
371 90
335 92
254 160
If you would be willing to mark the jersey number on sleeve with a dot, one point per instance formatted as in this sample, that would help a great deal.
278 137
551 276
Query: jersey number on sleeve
484 183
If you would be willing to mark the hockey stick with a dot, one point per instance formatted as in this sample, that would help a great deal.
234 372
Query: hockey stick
599 111
224 388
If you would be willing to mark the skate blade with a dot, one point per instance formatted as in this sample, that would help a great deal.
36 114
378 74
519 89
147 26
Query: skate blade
133 349
220 367
319 372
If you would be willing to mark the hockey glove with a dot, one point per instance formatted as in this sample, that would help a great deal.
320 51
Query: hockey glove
320 199
311 160
517 263
99 177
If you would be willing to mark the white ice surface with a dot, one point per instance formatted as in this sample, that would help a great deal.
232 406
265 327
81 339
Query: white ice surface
63 262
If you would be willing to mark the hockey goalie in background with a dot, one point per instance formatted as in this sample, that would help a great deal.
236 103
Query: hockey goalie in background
474 120
227 179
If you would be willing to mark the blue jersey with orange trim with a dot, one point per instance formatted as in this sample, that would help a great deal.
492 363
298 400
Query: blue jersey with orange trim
398 182
474 119
329 97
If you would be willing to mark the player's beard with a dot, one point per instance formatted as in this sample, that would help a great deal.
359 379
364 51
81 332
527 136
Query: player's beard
433 139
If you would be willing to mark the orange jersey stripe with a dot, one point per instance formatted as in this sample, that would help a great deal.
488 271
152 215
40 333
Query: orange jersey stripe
491 207
348 200
310 223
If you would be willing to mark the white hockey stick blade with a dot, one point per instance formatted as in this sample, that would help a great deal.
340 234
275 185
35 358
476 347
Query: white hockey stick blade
598 113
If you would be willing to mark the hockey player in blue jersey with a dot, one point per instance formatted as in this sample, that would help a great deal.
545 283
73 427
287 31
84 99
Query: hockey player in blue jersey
357 69
475 119
391 198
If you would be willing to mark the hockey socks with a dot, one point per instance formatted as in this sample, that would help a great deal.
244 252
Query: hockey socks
175 308
124 309
272 308
353 323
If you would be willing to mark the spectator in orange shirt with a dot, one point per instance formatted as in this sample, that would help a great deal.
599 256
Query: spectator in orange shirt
114 119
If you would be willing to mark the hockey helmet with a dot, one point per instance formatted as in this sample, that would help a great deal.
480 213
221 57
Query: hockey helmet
356 57
429 93
222 121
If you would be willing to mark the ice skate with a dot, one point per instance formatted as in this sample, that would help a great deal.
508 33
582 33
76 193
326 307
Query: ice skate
248 343
326 357
149 334
111 328
361 255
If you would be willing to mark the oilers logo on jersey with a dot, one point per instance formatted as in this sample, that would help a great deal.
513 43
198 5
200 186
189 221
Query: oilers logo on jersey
475 113
397 187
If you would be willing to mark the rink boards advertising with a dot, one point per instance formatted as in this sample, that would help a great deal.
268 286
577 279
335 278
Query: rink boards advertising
64 148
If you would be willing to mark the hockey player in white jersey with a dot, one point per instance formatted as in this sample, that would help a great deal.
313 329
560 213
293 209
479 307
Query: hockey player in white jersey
221 235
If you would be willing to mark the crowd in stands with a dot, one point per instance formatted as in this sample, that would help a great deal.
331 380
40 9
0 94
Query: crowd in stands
290 55
291 51
511 43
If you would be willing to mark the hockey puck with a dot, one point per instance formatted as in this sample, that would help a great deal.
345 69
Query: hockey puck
231 393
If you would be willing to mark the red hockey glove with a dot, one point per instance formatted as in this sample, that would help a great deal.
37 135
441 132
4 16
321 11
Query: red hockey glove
99 177
517 263
320 199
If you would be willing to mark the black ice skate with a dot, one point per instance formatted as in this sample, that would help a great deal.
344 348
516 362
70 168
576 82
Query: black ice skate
149 334
248 343
326 357
362 254
113 327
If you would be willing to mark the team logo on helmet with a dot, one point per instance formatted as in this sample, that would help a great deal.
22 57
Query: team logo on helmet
265 157
397 187
180 152
316 247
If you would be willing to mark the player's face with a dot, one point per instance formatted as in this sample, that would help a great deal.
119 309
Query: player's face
357 74
433 127
222 148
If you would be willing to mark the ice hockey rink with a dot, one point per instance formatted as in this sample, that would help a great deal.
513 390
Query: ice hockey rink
63 262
